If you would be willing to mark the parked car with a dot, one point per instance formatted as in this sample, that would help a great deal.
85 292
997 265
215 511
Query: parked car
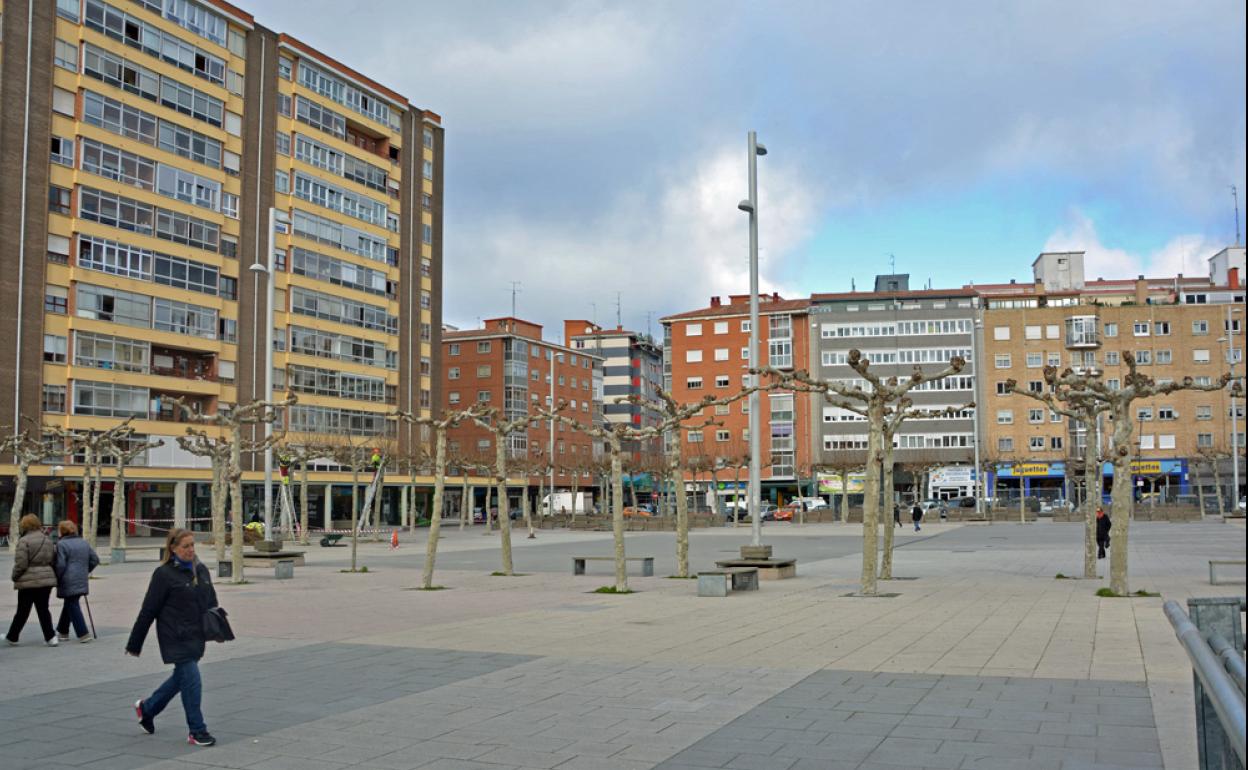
969 502
637 512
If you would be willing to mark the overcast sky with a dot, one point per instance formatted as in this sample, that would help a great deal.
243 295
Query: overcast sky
600 147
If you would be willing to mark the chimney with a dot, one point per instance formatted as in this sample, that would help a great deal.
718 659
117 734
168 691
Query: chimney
714 301
1141 290
1232 277
775 296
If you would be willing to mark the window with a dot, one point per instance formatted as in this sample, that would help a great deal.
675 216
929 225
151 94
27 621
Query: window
233 124
1035 386
1144 357
1005 417
63 101
1166 413
1035 360
1036 443
695 436
483 347
1111 330
1002 360
1204 440
63 151
722 381
1054 417
122 166
234 82
483 371
1147 441
453 397
693 356
282 143
723 435
59 200
68 9
483 397
1113 383
1003 388
1112 358
104 399
281 182
452 349
187 187
693 383
1144 414
54 349
1035 415
1053 359
721 327
285 67
229 206
1052 332
1031 332
65 54
1204 412
721 354
1164 357
1055 443
745 327
54 399
1200 356
1140 329
693 330
1001 332
1005 444
56 300
1200 327
1161 328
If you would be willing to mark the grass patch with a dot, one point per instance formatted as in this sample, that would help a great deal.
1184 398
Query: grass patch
611 590
360 570
1060 576
1144 593
682 577
1107 593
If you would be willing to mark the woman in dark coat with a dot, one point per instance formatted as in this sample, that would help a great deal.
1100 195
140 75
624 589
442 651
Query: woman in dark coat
916 515
75 560
34 579
177 596
1102 532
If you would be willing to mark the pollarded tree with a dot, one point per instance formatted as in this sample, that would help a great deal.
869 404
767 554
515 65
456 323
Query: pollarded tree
1087 412
123 453
1212 458
217 450
302 455
28 451
874 401
1088 392
356 454
449 421
501 428
95 446
844 462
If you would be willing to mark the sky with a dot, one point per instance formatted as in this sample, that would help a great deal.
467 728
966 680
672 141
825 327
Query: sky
596 151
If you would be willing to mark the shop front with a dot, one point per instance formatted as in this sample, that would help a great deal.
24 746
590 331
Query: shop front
951 482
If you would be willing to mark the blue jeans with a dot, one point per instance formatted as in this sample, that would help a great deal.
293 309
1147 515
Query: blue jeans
185 679
71 613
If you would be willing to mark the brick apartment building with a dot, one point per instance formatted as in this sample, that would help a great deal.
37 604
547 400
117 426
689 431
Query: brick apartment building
507 365
706 352
632 368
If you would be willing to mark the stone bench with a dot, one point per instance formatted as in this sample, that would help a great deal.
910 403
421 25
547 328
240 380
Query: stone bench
647 563
721 582
1214 563
768 569
118 555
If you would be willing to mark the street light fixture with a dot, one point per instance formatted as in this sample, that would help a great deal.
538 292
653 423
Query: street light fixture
269 269
750 206
1230 361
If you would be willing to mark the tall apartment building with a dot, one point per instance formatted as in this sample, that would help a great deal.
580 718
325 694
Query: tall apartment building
1175 327
706 352
898 329
507 365
167 159
632 367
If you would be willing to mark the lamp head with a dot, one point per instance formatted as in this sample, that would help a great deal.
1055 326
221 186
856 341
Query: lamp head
746 206
257 267
760 148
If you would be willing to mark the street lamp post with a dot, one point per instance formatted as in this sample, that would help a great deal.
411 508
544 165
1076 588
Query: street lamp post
750 206
978 488
269 269
1230 361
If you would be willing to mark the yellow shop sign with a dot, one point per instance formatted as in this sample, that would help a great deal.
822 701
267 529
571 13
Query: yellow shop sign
1031 469
1146 467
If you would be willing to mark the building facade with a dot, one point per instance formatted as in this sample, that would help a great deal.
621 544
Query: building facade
706 352
177 156
632 367
507 366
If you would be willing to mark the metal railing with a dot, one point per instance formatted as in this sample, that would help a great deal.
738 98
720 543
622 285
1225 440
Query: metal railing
1214 641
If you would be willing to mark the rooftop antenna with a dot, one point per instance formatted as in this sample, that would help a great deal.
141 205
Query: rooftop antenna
593 308
1235 196
515 287
618 322
649 315
852 285
892 264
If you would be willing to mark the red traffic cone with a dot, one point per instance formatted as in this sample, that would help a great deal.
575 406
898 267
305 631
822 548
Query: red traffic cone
394 539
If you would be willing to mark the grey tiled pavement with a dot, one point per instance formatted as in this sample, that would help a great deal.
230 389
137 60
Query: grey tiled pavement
853 720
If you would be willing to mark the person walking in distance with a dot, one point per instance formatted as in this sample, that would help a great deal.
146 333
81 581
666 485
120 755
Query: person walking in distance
1102 532
75 559
179 593
916 515
34 578
896 515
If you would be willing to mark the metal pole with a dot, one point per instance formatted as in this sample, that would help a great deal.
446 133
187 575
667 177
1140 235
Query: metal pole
1230 359
551 506
755 466
978 487
271 280
1219 688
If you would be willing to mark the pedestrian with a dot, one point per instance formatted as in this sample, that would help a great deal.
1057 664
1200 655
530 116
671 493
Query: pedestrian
75 560
177 597
33 578
1102 531
916 514
896 515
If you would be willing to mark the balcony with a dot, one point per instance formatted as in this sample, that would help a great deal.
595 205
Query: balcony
183 364
1083 332
163 407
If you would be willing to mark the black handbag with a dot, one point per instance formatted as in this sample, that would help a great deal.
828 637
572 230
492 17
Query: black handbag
217 626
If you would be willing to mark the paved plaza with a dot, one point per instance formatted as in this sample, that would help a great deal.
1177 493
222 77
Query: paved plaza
981 660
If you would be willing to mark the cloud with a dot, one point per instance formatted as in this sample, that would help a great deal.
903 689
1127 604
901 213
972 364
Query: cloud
1186 254
664 252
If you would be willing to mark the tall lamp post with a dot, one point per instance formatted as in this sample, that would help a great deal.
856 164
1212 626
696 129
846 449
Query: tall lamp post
750 206
1230 361
269 269
978 488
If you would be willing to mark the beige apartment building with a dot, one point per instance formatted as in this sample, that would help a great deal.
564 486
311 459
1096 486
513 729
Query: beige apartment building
165 160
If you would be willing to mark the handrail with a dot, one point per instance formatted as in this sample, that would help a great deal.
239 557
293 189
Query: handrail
1227 699
1231 659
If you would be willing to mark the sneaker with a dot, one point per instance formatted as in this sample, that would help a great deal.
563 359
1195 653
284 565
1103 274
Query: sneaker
10 641
62 637
145 723
52 642
85 639
201 739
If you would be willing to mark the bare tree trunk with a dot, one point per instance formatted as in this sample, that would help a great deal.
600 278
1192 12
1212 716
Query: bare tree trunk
714 501
886 512
303 503
844 494
524 506
1200 495
410 492
381 486
88 487
504 515
1217 483
95 502
19 502
736 498
489 520
617 519
632 489
464 503
435 515
682 515
236 506
355 508
871 500
1091 496
119 507
541 495
1122 503
220 498
576 484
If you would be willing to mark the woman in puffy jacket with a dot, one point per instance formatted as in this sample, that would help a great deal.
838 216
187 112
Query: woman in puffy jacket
34 578
75 559
179 593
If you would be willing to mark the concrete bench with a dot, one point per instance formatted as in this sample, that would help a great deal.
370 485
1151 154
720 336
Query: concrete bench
647 563
768 569
284 569
720 582
1214 563
118 555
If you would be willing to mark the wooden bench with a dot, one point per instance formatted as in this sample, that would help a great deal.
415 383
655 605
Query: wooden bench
1225 562
118 555
722 581
330 539
647 563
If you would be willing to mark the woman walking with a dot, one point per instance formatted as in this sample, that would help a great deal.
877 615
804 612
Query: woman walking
179 593
75 560
34 579
1102 532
